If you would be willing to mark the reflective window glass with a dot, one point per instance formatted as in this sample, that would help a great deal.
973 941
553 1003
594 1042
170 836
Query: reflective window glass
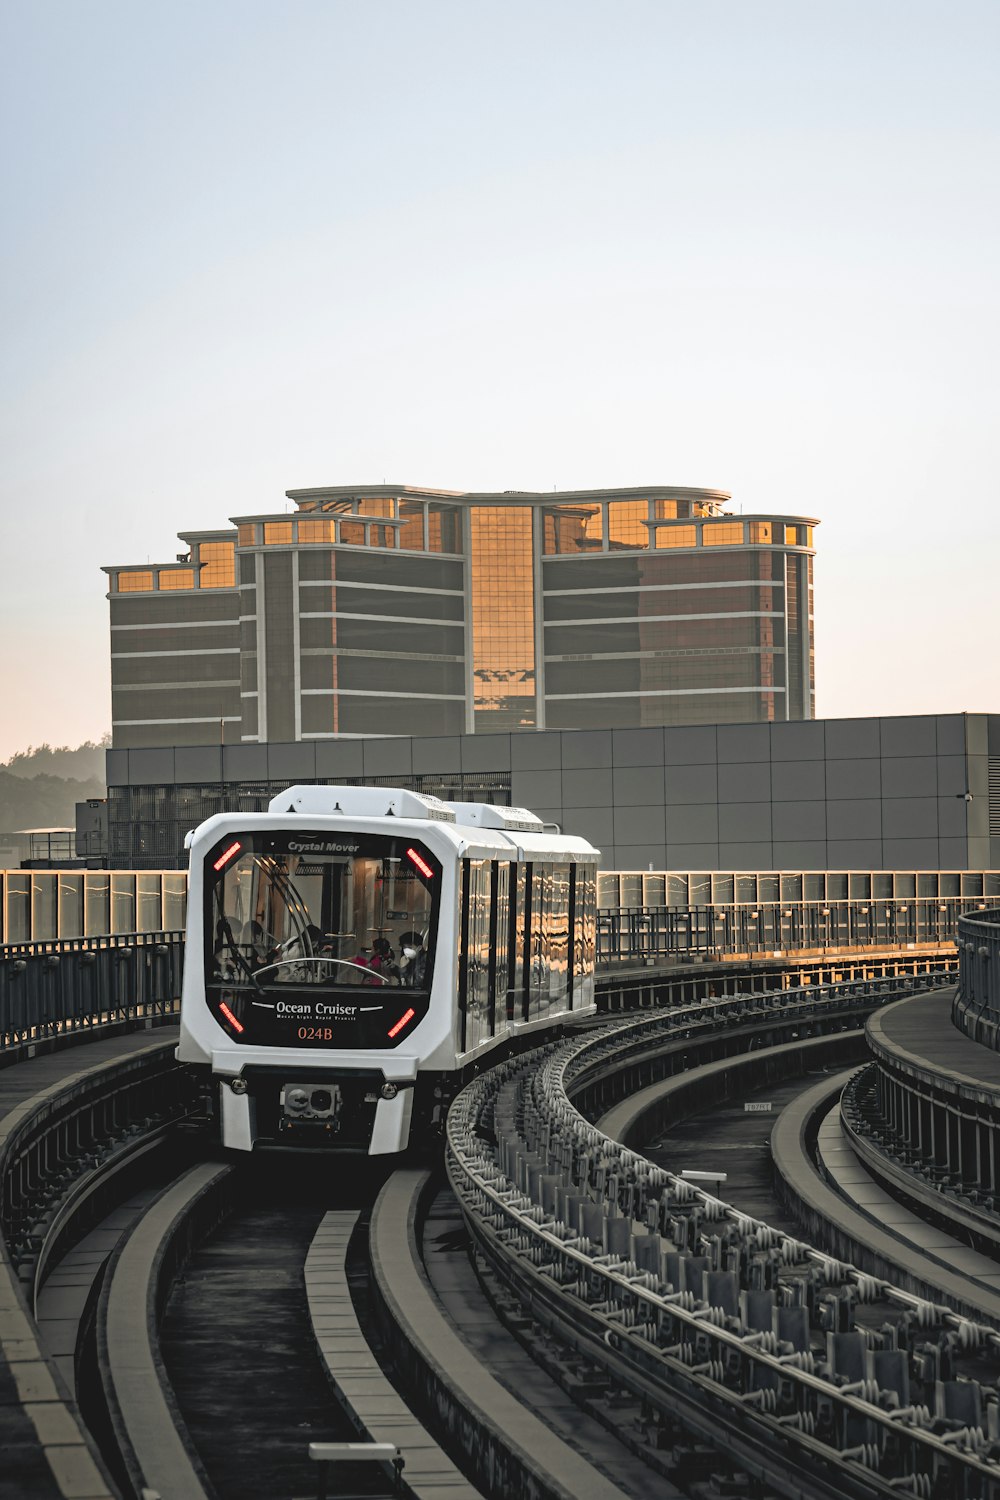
666 510
502 617
44 895
627 523
176 578
97 903
722 534
247 534
147 903
277 533
791 536
218 565
135 583
122 903
352 533
316 531
676 536
411 533
444 528
760 532
70 906
571 528
17 908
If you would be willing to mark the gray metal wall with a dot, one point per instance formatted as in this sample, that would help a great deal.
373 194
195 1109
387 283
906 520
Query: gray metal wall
841 794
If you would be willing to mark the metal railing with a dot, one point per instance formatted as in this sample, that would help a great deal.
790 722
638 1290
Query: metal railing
637 934
977 1003
55 988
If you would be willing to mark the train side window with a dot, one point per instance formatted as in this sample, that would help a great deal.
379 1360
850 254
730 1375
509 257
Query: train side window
499 892
559 957
541 941
526 940
515 938
474 957
463 957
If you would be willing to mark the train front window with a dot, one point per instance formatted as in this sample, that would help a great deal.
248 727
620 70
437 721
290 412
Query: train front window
319 938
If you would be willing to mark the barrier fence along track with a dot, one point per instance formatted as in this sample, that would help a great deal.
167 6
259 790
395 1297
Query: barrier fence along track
55 989
744 1333
776 927
977 1005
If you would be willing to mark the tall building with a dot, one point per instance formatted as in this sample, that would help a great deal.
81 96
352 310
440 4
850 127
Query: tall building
391 610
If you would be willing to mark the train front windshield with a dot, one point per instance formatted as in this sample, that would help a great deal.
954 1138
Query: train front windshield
319 939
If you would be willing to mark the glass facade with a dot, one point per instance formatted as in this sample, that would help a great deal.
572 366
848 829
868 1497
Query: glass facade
503 628
41 906
393 611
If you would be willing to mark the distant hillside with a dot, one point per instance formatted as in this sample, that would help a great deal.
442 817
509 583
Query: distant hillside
85 762
43 801
39 787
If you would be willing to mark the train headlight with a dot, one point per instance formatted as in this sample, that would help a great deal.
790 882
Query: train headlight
239 1085
388 1091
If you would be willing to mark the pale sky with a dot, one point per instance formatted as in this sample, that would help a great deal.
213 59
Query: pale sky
749 245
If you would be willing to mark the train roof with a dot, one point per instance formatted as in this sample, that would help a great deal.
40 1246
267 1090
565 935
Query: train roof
533 838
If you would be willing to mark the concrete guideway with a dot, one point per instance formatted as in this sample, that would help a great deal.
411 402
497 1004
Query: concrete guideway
46 1449
608 1242
516 1452
853 1216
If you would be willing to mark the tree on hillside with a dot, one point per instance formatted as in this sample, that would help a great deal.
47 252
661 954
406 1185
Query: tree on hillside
81 762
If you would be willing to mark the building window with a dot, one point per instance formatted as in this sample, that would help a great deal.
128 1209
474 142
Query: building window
571 528
627 524
311 532
503 617
135 583
791 536
353 533
277 533
176 578
411 533
248 534
666 510
722 534
444 529
676 536
760 533
218 565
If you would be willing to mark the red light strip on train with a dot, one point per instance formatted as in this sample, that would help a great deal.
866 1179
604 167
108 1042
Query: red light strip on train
227 855
421 864
404 1019
236 1025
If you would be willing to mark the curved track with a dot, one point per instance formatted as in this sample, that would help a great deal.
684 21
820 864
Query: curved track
814 1377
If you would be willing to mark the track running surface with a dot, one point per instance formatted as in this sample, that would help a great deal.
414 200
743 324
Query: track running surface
238 1345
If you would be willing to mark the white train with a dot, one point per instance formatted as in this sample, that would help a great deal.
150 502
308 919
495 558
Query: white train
354 953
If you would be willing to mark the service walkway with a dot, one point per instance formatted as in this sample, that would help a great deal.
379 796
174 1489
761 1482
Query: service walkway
917 1037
